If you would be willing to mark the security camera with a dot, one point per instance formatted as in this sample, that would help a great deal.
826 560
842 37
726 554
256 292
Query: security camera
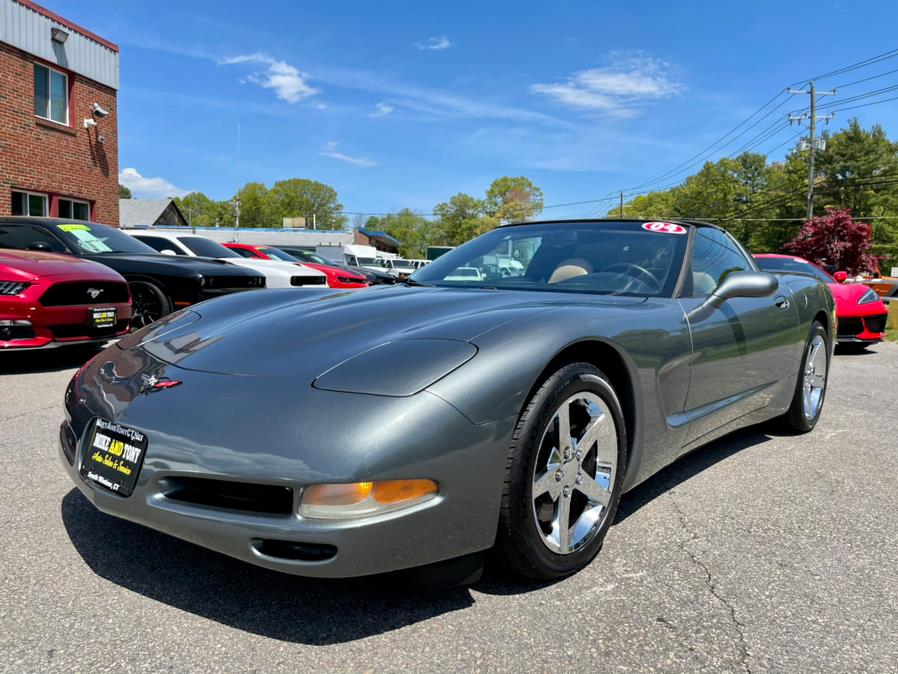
99 111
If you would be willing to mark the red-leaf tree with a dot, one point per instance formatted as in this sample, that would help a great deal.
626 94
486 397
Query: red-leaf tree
835 239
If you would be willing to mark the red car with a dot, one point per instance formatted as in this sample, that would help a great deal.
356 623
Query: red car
336 277
49 300
862 315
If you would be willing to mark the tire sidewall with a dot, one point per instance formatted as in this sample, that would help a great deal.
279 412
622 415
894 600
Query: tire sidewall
803 422
569 380
165 303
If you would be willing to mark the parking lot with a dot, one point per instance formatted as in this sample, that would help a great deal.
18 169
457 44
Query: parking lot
762 552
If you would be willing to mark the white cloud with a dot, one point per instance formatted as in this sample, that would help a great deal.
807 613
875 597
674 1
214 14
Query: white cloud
148 188
434 43
382 110
631 78
330 150
289 84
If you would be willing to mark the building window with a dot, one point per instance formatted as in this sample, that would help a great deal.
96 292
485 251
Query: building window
74 209
29 203
51 94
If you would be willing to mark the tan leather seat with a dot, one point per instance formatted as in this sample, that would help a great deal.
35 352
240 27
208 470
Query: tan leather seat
574 266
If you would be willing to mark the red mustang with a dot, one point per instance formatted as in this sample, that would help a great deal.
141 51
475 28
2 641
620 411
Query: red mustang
862 315
49 300
336 277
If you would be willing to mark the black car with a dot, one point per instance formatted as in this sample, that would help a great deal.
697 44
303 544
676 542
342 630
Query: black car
159 284
372 276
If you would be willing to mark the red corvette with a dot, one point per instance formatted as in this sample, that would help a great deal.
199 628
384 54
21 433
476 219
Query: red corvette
336 277
49 300
862 315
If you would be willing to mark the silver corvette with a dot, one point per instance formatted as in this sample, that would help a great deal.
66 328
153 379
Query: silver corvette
337 434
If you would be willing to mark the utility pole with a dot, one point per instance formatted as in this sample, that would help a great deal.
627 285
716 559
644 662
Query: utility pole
621 204
812 141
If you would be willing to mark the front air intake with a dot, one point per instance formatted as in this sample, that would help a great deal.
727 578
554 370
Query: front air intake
264 499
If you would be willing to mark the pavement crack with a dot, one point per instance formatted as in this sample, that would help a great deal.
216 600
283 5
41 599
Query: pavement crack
739 626
29 412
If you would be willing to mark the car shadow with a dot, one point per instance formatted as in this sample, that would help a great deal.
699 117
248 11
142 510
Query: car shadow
51 360
241 595
692 464
303 610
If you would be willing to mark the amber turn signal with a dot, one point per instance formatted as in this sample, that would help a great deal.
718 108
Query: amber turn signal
361 499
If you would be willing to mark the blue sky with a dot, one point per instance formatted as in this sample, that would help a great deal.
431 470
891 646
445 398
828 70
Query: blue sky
403 104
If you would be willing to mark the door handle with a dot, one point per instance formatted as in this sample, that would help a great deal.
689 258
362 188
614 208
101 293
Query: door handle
781 302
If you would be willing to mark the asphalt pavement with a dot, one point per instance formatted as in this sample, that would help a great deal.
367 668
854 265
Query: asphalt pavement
762 552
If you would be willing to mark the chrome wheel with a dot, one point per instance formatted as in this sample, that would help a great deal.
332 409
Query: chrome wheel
575 469
814 377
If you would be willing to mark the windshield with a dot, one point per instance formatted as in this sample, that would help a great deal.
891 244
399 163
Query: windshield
371 261
793 266
277 254
92 239
206 247
619 258
312 257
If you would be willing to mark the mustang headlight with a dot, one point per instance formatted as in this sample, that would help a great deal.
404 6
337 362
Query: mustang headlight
400 368
361 499
868 297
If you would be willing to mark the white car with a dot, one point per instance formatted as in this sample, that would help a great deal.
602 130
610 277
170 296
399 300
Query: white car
277 274
465 274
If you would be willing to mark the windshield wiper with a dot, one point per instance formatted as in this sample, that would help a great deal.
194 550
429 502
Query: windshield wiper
412 283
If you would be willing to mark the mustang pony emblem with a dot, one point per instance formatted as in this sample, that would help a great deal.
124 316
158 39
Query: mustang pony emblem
94 292
150 383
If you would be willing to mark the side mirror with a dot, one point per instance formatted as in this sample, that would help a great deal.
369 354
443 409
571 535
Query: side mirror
167 251
736 284
841 276
39 245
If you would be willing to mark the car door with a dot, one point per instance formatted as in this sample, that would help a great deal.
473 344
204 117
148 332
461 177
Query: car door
743 353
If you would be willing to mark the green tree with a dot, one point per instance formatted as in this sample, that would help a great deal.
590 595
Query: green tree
412 230
123 192
511 199
458 220
300 197
255 207
199 209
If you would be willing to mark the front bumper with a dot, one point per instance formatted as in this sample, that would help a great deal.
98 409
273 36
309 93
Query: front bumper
57 326
368 437
861 329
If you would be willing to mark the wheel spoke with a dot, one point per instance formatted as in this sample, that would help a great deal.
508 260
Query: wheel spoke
599 432
593 491
547 484
564 427
818 380
561 525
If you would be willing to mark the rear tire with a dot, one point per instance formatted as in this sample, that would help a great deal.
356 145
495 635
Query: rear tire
562 486
148 303
810 389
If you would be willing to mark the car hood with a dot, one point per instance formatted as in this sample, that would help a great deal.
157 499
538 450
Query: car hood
847 294
303 333
23 265
272 268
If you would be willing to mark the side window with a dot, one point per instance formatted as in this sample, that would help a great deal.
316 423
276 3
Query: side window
22 237
158 244
714 256
242 252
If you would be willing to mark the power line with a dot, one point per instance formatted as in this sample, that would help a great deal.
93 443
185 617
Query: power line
866 79
865 105
854 66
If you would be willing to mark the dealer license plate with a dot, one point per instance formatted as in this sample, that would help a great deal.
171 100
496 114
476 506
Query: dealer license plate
103 317
113 456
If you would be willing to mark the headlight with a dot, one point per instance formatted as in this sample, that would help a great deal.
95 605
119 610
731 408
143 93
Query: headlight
362 499
12 287
868 297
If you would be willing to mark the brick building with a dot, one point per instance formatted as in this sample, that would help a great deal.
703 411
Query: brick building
58 117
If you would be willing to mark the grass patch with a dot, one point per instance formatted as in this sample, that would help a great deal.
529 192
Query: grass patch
892 334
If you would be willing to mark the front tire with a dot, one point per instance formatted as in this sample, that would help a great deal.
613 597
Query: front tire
148 304
563 475
810 389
